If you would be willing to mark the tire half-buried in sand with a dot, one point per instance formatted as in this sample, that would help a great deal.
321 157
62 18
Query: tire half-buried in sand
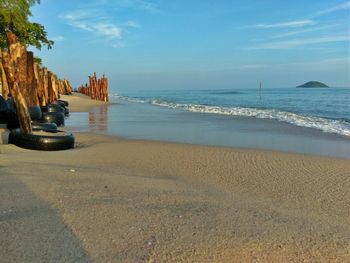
53 117
55 108
63 103
35 112
42 141
38 126
3 110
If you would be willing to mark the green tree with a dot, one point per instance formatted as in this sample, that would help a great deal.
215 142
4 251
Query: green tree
14 17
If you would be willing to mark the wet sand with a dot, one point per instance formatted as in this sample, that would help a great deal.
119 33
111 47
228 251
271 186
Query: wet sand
118 200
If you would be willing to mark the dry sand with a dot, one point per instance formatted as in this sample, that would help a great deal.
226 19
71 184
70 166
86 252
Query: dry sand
80 102
116 200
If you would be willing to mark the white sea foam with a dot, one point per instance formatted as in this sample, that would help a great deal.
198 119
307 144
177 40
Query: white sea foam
117 96
326 125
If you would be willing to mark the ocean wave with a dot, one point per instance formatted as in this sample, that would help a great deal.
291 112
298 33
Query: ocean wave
130 99
341 127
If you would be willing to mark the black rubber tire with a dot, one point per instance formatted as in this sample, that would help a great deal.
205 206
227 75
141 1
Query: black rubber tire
63 103
3 110
53 117
3 117
42 142
3 104
12 120
11 104
66 113
35 112
53 108
50 127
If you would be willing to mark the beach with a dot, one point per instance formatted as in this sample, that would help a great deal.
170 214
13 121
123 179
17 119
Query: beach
119 200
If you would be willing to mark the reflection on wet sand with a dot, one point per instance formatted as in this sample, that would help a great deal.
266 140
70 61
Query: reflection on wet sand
98 119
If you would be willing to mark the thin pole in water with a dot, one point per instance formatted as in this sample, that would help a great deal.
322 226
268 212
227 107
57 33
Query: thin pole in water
260 90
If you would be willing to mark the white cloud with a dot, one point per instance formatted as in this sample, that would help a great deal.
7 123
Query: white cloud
88 21
345 5
99 18
301 31
148 6
144 5
109 30
57 38
306 22
289 24
297 43
297 27
133 24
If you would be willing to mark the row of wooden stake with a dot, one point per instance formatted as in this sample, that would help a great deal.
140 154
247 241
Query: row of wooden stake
23 80
97 89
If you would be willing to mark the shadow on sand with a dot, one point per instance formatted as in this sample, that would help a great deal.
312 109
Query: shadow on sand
31 230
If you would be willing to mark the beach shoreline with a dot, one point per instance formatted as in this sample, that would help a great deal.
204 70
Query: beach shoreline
121 200
143 121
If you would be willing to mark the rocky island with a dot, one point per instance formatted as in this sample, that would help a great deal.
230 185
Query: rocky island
313 84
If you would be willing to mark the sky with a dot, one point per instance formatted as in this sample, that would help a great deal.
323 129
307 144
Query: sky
198 44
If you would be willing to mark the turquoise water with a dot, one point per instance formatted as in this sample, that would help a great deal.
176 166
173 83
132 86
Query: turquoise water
325 109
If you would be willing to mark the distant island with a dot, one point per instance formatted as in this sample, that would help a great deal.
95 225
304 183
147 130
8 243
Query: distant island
313 84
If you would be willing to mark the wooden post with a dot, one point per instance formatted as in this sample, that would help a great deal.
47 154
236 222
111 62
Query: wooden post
97 89
50 86
68 87
26 82
4 86
54 87
32 85
90 87
14 68
45 83
21 70
40 86
105 89
60 87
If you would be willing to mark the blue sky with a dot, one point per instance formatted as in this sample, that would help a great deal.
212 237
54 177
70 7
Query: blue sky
190 44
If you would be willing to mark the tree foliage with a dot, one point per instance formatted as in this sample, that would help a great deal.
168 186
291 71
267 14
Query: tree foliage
38 60
14 16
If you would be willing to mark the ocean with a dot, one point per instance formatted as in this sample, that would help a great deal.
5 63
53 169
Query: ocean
309 121
325 109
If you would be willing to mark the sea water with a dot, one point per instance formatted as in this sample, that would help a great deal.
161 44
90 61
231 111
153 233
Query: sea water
324 109
311 121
